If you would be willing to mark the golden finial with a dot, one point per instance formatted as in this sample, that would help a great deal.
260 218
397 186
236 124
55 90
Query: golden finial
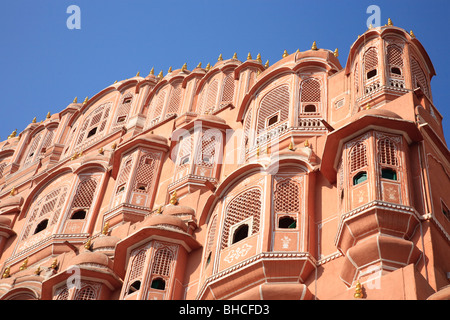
258 58
160 75
358 291
13 134
105 229
208 66
138 73
234 56
48 115
38 271
85 100
336 53
184 67
54 264
285 54
370 26
249 56
115 82
306 144
368 106
114 146
34 120
101 151
13 191
258 72
314 46
291 146
170 69
24 265
267 64
199 65
411 33
173 198
267 149
75 100
390 22
88 244
159 211
220 58
6 273
152 71
257 151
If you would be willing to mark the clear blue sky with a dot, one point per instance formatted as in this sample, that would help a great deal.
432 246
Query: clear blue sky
44 65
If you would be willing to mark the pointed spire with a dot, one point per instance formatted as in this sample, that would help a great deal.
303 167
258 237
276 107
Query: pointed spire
220 58
390 22
152 72
208 66
184 67
75 100
34 120
314 46
160 75
199 65
234 56
258 58
170 69
48 115
138 73
85 100
267 64
285 54
249 56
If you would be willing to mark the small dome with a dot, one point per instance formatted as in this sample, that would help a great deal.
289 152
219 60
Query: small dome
104 243
179 210
165 219
379 112
210 117
155 137
88 257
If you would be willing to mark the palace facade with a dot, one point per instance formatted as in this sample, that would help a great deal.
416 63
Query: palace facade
301 179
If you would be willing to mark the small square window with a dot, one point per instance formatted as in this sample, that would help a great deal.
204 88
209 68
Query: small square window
127 100
121 119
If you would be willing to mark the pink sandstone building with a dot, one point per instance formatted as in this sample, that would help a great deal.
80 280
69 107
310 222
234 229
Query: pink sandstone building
301 179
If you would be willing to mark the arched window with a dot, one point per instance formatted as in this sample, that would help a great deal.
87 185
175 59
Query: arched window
419 79
246 205
136 270
94 125
274 102
46 209
86 293
310 95
358 157
156 107
227 89
174 99
208 97
371 63
123 111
